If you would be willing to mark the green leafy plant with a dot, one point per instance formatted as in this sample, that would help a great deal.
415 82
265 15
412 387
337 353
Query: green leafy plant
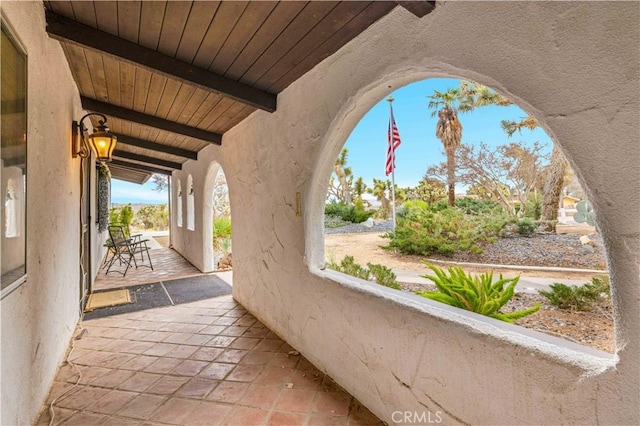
580 298
585 213
334 221
475 293
373 272
353 213
526 227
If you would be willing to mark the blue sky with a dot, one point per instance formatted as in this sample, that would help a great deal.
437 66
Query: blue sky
419 149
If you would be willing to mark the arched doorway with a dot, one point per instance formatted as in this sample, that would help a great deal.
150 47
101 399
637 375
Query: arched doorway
216 220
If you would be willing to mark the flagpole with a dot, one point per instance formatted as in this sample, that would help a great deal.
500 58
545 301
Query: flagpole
393 171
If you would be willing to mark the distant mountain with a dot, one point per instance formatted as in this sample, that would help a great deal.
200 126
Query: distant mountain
136 206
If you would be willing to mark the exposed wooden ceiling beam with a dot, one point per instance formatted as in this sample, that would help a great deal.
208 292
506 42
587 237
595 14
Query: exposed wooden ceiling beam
135 166
418 8
167 149
145 159
70 31
150 120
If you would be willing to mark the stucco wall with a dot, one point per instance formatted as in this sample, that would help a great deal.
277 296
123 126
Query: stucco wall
39 317
574 66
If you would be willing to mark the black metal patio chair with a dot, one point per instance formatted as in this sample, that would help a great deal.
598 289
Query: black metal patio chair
125 249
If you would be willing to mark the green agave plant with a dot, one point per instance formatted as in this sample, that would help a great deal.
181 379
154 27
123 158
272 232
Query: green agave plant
475 293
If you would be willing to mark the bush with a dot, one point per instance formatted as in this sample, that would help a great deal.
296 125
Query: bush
375 272
580 298
526 227
476 294
354 213
334 221
425 231
477 207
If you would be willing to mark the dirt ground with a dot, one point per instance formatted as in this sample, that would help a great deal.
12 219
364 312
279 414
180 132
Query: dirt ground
594 328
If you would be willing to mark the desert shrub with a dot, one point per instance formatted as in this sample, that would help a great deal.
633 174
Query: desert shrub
408 206
425 231
475 293
222 234
477 207
580 298
334 221
534 208
526 227
354 213
374 272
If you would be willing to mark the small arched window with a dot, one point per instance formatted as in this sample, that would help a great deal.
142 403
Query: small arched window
190 204
179 205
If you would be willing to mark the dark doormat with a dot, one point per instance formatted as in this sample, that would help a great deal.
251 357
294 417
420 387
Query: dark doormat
179 291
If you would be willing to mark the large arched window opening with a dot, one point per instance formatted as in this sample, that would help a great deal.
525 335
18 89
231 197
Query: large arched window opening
505 167
217 220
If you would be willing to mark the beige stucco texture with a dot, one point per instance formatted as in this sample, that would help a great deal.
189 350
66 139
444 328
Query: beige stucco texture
574 66
39 317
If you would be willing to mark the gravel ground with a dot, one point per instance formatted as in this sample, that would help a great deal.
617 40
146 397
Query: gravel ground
541 249
358 228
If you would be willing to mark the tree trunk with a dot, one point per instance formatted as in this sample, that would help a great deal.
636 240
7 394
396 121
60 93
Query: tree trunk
451 175
553 188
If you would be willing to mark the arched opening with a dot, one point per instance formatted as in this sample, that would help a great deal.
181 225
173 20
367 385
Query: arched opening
506 167
179 203
190 204
217 220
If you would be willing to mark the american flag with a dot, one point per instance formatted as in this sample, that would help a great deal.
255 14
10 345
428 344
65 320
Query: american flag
393 141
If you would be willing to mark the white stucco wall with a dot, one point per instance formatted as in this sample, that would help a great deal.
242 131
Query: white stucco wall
575 67
39 317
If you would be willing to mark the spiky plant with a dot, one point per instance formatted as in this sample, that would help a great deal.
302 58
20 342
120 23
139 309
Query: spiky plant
475 293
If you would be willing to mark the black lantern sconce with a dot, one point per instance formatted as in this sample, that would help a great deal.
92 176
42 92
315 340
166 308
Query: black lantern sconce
101 140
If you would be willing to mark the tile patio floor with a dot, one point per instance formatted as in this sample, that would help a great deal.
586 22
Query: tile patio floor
167 264
204 363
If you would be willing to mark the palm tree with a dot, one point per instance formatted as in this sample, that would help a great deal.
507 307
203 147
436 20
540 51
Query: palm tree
449 131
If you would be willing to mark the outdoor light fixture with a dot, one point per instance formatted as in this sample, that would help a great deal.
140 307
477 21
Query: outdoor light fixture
101 140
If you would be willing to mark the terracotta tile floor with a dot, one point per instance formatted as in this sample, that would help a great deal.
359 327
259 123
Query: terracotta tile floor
205 363
167 264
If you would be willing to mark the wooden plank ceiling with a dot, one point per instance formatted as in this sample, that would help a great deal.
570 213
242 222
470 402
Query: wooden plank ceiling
174 76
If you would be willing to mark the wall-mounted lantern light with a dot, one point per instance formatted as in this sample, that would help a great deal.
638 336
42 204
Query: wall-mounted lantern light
101 140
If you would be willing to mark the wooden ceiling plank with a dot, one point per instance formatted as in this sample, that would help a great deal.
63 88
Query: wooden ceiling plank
151 25
128 20
112 74
61 7
241 115
267 33
192 105
85 12
184 95
156 88
200 18
127 84
223 120
149 120
204 109
332 22
146 144
141 89
119 153
70 31
250 21
171 89
98 78
80 69
217 111
296 30
135 166
135 130
355 26
107 16
175 20
226 17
